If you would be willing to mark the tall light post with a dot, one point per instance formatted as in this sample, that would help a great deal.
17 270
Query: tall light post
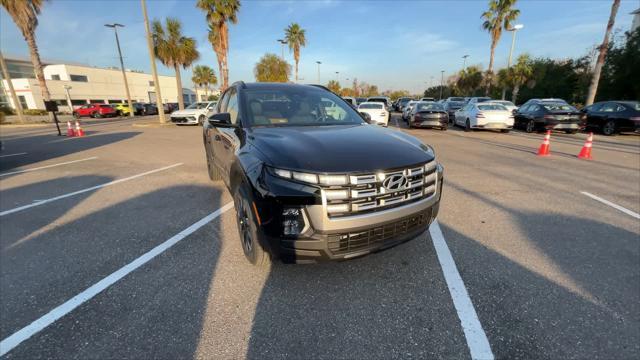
282 42
124 74
152 56
464 62
513 30
338 76
69 103
318 62
441 82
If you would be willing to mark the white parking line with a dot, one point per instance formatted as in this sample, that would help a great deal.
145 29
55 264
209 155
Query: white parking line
47 166
16 154
476 338
52 316
615 206
45 201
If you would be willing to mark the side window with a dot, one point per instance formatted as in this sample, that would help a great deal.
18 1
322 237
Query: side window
620 108
232 105
609 107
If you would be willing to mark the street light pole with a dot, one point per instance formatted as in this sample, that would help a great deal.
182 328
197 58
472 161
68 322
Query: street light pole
318 62
69 103
441 82
464 62
152 56
513 30
282 42
338 76
124 74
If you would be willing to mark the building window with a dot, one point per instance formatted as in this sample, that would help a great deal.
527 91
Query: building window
81 78
151 83
92 101
55 77
23 102
78 102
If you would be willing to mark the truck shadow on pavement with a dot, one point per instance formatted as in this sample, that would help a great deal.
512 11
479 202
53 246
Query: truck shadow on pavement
46 147
154 312
569 290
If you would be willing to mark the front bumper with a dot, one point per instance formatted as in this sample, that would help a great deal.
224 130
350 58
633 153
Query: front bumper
184 120
342 238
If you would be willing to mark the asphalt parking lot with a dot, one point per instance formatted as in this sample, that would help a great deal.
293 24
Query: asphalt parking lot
117 245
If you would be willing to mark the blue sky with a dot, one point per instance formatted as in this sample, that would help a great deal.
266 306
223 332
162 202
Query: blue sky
393 44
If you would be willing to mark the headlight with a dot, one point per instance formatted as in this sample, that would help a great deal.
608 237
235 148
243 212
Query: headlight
311 178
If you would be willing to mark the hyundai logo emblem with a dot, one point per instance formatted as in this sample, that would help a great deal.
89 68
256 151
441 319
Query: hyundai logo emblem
395 182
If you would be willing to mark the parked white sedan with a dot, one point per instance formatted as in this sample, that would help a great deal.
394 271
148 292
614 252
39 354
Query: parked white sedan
487 115
195 113
377 111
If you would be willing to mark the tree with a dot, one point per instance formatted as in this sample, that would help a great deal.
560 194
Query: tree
394 95
334 86
469 80
517 75
347 92
272 68
295 36
25 15
621 71
593 88
174 50
203 76
219 13
499 16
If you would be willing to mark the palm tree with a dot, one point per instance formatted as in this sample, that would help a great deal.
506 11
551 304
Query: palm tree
25 15
595 79
519 74
272 68
294 35
219 13
499 16
469 80
174 49
203 76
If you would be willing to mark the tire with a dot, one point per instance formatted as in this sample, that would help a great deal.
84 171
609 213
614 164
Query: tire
530 126
467 126
445 127
505 131
571 132
95 115
76 115
201 120
119 113
214 173
609 128
248 228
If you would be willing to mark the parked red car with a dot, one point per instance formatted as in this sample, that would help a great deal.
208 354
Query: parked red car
95 111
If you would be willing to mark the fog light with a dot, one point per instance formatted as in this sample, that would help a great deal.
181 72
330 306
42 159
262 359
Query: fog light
292 221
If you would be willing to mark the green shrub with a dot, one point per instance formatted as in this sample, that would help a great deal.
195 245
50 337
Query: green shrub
35 112
5 110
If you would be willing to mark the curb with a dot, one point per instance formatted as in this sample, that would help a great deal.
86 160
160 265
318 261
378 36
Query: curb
26 125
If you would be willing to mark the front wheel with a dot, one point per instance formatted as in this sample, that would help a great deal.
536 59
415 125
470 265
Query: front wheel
571 132
467 126
530 126
609 128
504 131
248 229
201 120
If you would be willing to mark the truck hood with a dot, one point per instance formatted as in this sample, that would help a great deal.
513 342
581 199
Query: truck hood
338 149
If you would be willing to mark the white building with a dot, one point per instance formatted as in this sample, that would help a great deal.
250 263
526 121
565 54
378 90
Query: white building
90 85
635 23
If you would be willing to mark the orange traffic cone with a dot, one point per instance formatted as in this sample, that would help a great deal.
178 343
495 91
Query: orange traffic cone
70 132
79 131
585 153
544 147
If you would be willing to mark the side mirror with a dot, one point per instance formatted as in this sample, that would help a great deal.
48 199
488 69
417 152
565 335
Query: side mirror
221 120
366 117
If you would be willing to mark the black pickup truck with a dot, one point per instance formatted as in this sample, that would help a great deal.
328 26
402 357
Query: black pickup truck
312 180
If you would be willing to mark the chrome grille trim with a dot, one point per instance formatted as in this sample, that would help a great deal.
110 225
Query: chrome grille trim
367 194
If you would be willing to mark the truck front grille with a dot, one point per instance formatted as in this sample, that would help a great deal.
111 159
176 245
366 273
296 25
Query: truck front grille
367 192
377 237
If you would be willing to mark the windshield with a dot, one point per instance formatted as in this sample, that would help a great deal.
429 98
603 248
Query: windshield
370 106
404 101
492 107
559 107
483 99
382 100
298 107
197 106
456 99
503 102
429 106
